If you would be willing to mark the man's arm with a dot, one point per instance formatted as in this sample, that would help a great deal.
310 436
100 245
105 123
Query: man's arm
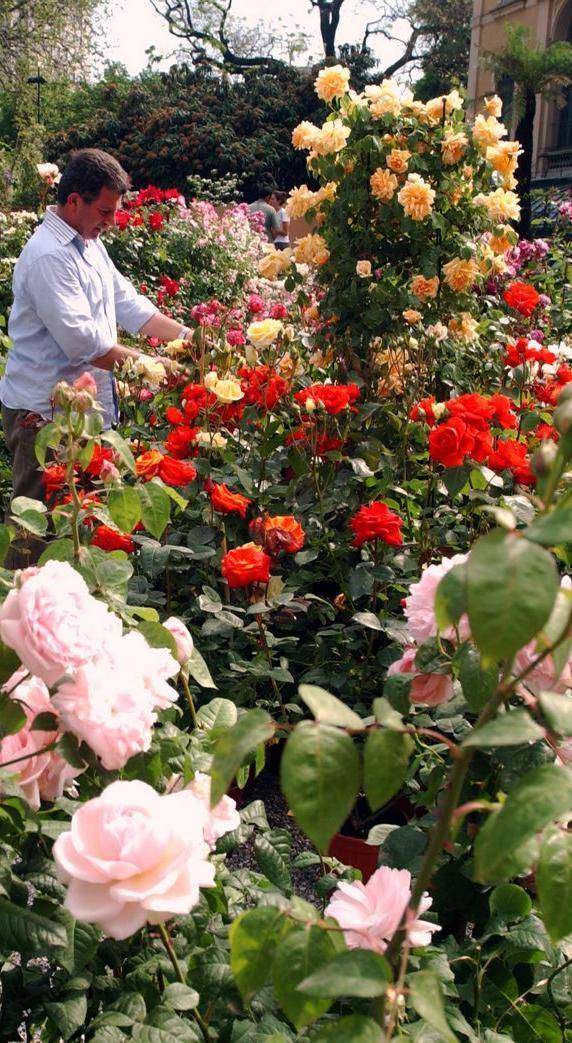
163 327
138 316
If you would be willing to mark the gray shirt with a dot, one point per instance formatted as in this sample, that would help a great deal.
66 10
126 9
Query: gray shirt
271 219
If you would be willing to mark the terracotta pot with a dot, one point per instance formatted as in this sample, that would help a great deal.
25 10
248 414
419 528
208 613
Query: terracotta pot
352 851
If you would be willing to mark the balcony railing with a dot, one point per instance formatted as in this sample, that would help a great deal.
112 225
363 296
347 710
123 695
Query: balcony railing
556 163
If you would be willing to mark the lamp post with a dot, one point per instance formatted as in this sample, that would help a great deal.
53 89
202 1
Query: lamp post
38 80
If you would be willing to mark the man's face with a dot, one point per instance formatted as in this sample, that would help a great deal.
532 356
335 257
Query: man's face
90 219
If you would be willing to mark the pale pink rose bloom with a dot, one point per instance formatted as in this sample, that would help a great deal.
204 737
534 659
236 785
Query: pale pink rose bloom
420 604
150 668
133 857
182 637
543 677
564 753
223 818
429 689
53 623
108 471
369 914
107 707
41 776
86 383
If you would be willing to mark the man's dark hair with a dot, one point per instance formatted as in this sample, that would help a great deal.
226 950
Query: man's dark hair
265 190
281 197
88 171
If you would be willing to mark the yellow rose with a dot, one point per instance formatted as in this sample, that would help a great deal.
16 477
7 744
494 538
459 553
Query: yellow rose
327 192
149 369
383 98
411 316
493 106
453 147
383 185
228 391
502 239
398 160
460 275
262 334
363 269
503 156
456 195
464 327
312 250
416 197
438 331
211 380
304 134
211 440
436 108
500 204
331 138
425 289
487 131
299 201
176 347
274 263
332 82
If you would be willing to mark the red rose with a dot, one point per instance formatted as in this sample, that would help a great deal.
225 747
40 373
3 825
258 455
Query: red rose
504 415
473 409
156 221
333 397
171 286
108 539
451 442
173 415
245 565
522 297
546 431
176 472
375 521
122 219
100 453
282 532
512 456
227 502
53 479
423 411
180 442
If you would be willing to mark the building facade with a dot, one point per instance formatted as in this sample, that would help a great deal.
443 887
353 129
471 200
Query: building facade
547 21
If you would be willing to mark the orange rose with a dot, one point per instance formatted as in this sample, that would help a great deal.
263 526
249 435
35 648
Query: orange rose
245 565
283 532
227 502
148 464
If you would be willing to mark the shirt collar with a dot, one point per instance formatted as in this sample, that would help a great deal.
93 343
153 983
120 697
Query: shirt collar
63 232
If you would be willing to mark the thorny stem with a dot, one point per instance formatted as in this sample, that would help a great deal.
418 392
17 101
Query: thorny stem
264 643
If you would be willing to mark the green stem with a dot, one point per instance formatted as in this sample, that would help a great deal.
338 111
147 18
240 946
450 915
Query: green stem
168 943
189 698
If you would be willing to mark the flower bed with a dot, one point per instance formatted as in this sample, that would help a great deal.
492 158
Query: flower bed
340 542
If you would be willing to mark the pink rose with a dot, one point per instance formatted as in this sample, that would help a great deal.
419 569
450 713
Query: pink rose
428 689
182 638
108 472
223 818
420 604
53 623
150 668
41 776
369 914
86 383
133 857
543 677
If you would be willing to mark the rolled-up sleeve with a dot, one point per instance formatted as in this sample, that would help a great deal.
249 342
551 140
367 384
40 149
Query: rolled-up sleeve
60 302
131 308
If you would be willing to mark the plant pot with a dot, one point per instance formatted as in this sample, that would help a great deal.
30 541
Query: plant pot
352 851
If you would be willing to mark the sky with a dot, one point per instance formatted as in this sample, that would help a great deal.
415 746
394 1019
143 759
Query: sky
135 26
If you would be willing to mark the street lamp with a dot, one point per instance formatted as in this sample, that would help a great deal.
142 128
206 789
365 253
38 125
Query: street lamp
38 80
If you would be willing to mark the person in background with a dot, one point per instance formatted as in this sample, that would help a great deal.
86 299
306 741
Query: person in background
68 299
265 205
282 241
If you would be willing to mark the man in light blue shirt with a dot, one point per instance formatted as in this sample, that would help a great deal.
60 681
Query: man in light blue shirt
68 299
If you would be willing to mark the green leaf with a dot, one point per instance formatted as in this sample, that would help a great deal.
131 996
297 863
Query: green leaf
254 937
43 722
451 597
477 684
120 448
124 507
534 1024
155 508
48 437
219 713
426 997
29 932
272 863
541 796
199 670
358 972
157 636
180 997
327 709
510 902
507 729
296 957
367 619
551 529
320 776
58 550
554 883
12 716
511 587
386 759
5 539
232 748
68 1014
354 1029
557 711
